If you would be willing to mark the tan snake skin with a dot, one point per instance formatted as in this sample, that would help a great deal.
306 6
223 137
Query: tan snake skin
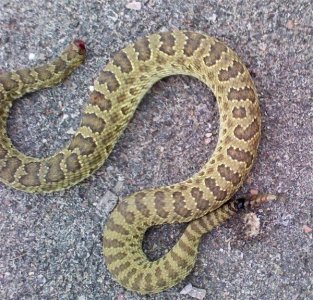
119 88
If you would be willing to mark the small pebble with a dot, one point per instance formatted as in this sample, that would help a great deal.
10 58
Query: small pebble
212 18
290 24
31 56
207 141
193 292
70 131
307 229
118 187
134 5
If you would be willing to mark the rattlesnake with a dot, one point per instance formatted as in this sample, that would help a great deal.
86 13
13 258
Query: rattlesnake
200 200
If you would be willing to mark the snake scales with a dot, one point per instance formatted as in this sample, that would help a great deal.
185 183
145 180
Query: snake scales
200 200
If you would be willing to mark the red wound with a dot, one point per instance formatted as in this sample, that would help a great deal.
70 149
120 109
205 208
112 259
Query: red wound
80 44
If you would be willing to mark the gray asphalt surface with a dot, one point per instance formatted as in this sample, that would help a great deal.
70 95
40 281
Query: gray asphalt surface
51 244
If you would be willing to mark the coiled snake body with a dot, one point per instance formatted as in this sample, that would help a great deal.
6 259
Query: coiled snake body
200 200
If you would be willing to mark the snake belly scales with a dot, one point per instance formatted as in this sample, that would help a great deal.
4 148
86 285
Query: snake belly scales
120 86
